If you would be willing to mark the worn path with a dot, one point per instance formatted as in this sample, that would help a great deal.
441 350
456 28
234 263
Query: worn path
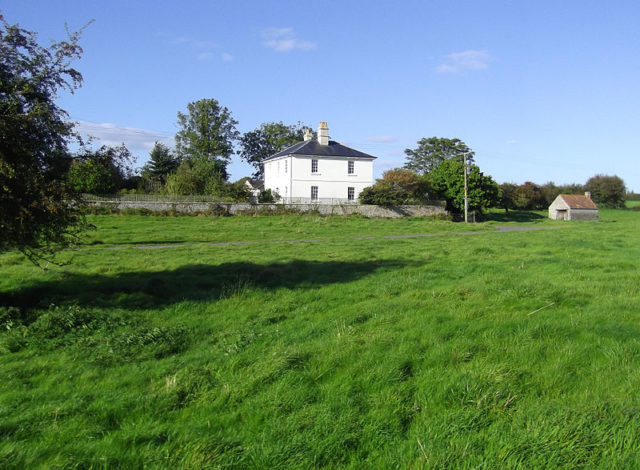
500 229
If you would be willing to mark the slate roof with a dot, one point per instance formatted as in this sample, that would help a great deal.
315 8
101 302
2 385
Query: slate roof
577 201
313 148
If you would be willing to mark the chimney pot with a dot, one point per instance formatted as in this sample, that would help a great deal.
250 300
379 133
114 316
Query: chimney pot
588 194
323 133
308 135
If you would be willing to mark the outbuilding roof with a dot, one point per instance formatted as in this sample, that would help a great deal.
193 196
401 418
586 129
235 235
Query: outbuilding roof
578 201
313 148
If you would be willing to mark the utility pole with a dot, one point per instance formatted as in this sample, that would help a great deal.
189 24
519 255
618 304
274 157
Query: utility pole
466 196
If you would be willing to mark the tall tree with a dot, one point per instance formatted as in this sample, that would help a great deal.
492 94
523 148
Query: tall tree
433 150
161 163
448 181
207 131
266 140
37 213
608 191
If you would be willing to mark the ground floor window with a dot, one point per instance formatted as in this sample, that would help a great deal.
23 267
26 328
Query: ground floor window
351 193
314 193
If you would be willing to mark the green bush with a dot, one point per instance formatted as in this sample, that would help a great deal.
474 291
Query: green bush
268 196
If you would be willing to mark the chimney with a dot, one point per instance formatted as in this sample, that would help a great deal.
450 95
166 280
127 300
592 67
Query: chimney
588 194
323 133
308 135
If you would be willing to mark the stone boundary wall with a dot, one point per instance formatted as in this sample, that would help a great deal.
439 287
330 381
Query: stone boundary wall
239 208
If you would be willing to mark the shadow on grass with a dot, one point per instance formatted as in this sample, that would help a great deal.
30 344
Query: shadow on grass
132 243
143 289
514 216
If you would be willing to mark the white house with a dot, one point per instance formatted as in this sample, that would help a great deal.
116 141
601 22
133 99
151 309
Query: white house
321 170
573 207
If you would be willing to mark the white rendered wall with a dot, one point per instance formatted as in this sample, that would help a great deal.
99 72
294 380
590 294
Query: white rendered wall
332 177
277 176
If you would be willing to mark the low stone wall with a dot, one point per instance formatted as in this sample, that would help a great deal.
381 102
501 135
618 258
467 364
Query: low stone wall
238 208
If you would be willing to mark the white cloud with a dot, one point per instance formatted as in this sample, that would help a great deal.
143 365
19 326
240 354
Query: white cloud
459 62
382 139
205 56
284 40
203 44
226 57
387 163
192 43
140 140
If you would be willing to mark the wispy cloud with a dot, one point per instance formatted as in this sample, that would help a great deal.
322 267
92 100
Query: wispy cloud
382 139
204 56
203 49
285 40
512 142
188 40
387 163
136 140
463 61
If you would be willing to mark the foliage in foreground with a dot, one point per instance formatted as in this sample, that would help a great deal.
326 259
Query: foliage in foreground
35 209
493 350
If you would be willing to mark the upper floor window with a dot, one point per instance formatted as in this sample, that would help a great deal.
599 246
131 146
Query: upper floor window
286 166
314 166
351 167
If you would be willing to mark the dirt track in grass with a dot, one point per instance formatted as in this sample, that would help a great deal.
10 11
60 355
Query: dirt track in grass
500 229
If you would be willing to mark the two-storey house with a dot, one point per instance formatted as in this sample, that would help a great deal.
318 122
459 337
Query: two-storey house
318 170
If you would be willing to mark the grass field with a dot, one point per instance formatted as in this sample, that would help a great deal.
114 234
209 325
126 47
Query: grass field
321 341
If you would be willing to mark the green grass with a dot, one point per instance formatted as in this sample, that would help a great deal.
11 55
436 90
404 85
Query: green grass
632 204
490 350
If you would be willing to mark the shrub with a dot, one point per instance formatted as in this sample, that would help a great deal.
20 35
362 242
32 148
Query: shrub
607 191
268 196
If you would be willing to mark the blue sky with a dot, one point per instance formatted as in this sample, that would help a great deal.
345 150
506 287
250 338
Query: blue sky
540 90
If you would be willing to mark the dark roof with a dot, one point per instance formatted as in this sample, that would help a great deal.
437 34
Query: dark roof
577 201
312 147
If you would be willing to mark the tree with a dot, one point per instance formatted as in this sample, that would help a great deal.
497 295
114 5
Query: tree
200 176
266 140
37 211
396 187
207 132
549 192
161 163
508 196
430 152
607 191
529 196
103 171
406 180
448 182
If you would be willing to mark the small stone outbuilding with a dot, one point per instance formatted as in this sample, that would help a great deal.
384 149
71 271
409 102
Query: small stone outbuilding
573 207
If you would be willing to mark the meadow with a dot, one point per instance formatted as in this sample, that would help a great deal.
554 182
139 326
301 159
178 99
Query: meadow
306 341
